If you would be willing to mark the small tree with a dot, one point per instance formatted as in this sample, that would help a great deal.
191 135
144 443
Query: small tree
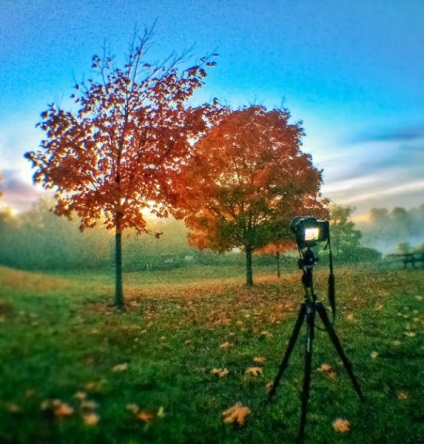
277 249
249 178
404 248
344 237
122 151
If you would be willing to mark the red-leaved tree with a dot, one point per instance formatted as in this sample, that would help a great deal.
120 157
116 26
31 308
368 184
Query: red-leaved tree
122 150
249 178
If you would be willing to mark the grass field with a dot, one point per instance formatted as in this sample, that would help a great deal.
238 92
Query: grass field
193 343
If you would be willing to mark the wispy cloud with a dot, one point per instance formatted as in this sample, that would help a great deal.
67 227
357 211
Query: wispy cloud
404 134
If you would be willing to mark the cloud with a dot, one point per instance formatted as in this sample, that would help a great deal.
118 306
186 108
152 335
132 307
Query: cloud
406 134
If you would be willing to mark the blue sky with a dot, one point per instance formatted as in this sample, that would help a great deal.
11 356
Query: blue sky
351 70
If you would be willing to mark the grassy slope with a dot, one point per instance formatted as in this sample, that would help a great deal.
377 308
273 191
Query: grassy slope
60 340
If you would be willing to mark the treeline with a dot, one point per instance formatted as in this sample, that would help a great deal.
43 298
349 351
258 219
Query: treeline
40 240
397 230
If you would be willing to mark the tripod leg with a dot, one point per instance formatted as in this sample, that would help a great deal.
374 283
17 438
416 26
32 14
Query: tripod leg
292 342
348 366
310 320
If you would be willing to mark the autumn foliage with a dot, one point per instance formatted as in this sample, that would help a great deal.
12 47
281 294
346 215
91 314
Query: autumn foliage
122 150
250 178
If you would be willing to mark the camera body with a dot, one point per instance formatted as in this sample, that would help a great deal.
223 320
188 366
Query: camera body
309 231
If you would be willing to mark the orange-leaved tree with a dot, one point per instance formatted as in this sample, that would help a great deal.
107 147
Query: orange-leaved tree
122 150
249 179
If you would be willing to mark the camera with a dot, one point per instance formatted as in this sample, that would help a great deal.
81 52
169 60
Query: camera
309 231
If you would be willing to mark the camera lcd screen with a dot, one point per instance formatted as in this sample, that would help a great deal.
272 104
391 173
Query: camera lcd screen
311 234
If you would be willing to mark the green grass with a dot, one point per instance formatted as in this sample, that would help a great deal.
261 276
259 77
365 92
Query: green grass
60 340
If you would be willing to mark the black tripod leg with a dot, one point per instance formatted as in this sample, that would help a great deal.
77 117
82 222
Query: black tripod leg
292 342
348 366
310 320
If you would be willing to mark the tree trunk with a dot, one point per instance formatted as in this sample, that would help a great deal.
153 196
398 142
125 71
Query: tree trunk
277 256
119 293
249 272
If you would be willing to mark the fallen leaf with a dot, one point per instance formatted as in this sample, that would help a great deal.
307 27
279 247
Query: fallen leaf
253 371
226 345
161 412
221 372
145 416
94 386
374 354
350 317
259 359
120 368
341 425
88 405
237 414
91 419
325 368
132 408
80 395
11 407
410 334
402 395
269 386
63 410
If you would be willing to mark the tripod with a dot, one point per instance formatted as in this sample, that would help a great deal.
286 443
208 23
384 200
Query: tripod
308 310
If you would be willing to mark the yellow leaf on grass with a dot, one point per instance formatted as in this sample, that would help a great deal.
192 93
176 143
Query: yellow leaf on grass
402 395
236 414
374 354
94 386
226 345
324 368
253 371
11 407
221 372
120 368
91 419
80 395
132 408
259 359
88 406
341 425
269 386
327 370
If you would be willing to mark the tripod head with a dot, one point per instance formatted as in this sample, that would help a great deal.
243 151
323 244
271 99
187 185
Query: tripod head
306 263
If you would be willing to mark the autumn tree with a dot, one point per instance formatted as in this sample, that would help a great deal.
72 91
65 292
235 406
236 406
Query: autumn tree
121 151
249 178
